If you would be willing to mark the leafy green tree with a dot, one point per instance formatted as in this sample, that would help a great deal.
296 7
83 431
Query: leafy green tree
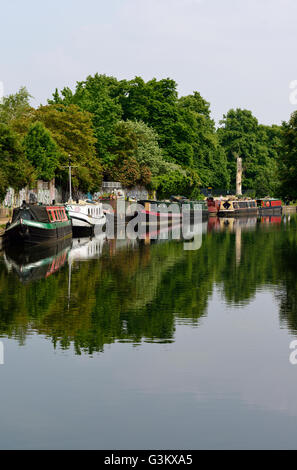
178 182
72 130
242 136
42 151
96 96
288 160
209 157
15 106
147 152
15 170
124 167
156 104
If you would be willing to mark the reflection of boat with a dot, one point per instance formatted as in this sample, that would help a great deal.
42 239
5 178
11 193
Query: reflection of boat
36 263
85 217
271 219
34 224
84 249
245 223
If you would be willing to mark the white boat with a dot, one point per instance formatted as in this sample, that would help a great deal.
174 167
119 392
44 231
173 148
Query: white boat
86 217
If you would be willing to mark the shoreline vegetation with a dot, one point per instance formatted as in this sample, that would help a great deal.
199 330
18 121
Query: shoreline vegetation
142 133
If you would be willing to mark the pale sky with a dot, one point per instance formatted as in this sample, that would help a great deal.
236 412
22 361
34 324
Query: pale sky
236 53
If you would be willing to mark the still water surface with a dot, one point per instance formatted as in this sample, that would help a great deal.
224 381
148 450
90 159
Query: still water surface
137 345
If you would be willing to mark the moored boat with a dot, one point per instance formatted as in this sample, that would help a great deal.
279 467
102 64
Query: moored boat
86 217
269 206
238 207
34 224
213 206
157 212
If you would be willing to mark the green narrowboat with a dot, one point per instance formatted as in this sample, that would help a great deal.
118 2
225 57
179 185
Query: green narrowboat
34 224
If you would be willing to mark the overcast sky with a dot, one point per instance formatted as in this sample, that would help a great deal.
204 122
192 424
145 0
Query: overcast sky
236 53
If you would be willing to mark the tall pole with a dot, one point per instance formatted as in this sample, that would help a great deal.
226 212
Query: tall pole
239 177
70 183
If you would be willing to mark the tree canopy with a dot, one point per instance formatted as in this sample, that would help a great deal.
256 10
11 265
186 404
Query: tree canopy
143 133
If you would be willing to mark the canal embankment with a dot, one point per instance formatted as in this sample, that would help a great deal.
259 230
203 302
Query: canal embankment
289 210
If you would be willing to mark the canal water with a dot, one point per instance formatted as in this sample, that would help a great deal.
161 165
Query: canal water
114 344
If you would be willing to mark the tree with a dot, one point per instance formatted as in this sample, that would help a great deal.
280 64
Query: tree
15 170
42 151
156 104
242 136
72 130
96 96
209 158
15 106
178 182
288 160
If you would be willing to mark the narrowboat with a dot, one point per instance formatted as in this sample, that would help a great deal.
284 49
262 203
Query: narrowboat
34 224
269 206
157 212
192 206
86 217
238 207
173 210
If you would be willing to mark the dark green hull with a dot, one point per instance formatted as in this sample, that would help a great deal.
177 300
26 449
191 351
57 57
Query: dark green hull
30 232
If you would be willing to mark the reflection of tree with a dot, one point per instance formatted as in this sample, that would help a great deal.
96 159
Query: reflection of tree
138 294
288 276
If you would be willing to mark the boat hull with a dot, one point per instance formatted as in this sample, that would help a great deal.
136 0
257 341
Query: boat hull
34 233
238 212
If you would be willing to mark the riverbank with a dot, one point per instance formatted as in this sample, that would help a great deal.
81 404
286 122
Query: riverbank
289 209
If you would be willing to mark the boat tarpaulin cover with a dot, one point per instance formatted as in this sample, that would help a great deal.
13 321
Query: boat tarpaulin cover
39 213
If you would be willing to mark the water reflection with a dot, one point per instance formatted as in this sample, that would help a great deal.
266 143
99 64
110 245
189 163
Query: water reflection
94 292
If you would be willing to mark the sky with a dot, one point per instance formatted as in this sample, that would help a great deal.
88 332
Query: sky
236 53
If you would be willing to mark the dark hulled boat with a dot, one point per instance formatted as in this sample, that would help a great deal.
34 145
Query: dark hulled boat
34 224
173 211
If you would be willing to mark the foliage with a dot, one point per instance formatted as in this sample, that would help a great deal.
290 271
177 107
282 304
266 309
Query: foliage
185 183
15 170
288 160
42 151
93 96
258 146
15 106
72 130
